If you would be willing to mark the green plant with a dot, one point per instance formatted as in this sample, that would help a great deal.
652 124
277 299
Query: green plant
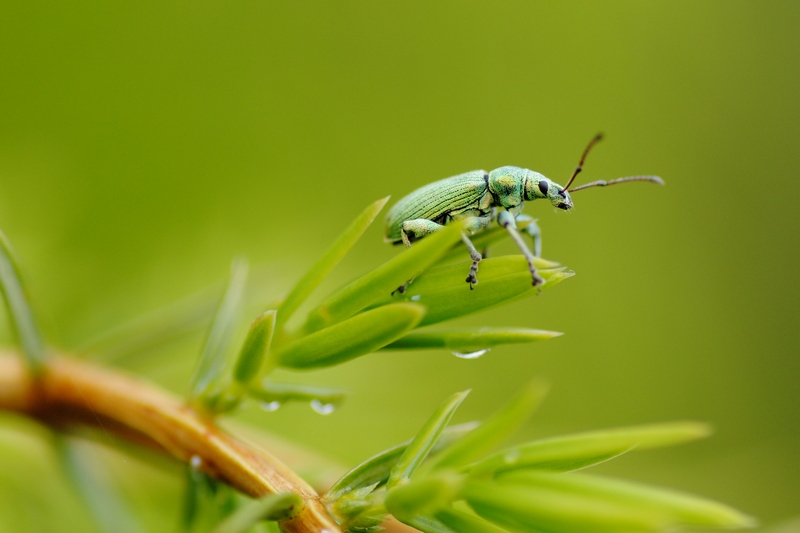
445 480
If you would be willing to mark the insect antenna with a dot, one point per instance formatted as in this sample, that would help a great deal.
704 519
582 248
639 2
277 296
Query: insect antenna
604 183
578 169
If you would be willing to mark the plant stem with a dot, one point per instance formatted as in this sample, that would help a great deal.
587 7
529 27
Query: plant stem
71 391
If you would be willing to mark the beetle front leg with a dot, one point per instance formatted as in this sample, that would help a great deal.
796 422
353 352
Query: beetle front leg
528 225
418 228
506 219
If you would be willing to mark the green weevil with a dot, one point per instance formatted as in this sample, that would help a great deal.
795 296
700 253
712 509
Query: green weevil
479 197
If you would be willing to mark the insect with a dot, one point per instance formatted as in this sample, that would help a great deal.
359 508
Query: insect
478 198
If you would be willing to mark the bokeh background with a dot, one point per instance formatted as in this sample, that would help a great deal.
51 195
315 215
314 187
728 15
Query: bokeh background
143 145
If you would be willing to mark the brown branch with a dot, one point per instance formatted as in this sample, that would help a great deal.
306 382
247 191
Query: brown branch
72 391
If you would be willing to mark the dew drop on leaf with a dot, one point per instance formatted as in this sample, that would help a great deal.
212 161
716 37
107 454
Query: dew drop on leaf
415 298
471 355
322 408
270 406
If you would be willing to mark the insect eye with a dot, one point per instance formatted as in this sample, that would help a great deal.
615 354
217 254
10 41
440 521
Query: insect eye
543 186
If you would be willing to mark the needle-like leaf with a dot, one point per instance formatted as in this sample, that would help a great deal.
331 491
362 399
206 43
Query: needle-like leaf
443 290
270 391
493 431
212 361
153 329
328 261
573 503
19 310
572 452
379 284
425 440
255 348
376 469
468 339
356 336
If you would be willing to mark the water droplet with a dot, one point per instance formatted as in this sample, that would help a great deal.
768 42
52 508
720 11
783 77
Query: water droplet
196 461
416 298
471 355
511 456
270 406
322 408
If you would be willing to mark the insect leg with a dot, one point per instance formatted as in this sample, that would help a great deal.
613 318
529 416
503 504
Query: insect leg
473 222
492 216
529 226
417 228
476 257
412 230
506 219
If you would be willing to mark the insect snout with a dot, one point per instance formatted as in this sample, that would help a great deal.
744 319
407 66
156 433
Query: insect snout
562 199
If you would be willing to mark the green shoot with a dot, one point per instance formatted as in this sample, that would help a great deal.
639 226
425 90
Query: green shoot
19 309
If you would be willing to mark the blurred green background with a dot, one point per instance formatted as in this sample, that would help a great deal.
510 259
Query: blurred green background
144 145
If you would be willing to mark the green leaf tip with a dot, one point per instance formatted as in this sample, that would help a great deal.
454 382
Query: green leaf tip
376 469
491 433
581 450
356 336
469 339
329 260
574 502
20 314
422 444
382 281
209 373
275 507
255 349
443 290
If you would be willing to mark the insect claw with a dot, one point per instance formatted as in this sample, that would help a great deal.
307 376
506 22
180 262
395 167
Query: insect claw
401 289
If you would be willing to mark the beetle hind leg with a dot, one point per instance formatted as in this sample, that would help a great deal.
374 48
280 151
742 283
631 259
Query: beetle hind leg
417 228
412 230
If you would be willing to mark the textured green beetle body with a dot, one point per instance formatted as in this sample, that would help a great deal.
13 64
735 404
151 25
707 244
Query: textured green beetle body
473 194
477 197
